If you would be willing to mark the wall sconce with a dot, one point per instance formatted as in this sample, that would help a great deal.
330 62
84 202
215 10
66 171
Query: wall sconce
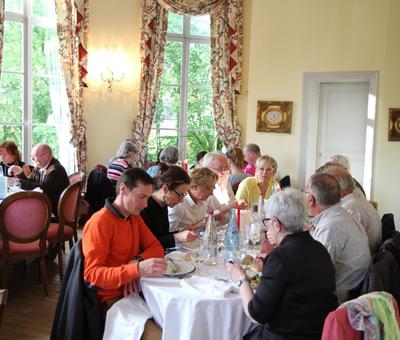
110 75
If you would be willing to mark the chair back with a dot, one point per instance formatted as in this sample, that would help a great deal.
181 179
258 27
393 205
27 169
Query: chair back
24 218
68 207
388 226
77 176
3 302
285 182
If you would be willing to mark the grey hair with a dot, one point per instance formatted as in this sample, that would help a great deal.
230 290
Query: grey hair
126 149
251 147
210 157
342 160
325 188
343 177
169 155
289 207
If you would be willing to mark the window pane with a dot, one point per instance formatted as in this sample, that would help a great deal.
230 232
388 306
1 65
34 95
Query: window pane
41 104
44 45
200 110
11 132
43 8
200 25
168 108
11 102
13 6
172 64
13 46
200 140
199 64
46 134
159 139
175 23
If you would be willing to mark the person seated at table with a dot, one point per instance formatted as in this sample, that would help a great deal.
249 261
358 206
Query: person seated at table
117 245
48 174
172 184
297 285
251 153
223 198
262 183
191 213
125 157
168 156
236 161
11 156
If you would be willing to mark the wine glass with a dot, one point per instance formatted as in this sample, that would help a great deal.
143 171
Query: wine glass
198 257
254 234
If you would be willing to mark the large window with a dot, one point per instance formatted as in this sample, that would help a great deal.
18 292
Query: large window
184 115
33 104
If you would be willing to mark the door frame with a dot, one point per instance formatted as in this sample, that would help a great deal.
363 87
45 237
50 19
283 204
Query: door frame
310 114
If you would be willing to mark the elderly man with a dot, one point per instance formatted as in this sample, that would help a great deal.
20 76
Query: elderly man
223 197
357 205
344 237
48 174
251 152
118 246
297 285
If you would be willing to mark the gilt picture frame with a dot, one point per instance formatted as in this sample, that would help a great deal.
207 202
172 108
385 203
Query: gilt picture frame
394 125
274 116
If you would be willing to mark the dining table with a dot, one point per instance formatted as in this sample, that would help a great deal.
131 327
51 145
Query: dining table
184 313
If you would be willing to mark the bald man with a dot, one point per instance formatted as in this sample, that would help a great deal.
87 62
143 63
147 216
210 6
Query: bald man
48 174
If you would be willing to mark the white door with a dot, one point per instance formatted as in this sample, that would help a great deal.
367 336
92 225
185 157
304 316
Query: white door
342 124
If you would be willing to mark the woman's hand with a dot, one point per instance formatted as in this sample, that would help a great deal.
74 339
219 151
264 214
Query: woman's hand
185 236
235 272
14 170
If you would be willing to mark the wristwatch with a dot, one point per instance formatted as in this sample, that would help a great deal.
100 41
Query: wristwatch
242 280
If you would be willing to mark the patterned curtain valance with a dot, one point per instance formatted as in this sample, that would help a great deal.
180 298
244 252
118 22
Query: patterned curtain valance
1 29
190 7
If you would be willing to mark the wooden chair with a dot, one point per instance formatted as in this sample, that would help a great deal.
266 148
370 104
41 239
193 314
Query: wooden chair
3 302
83 204
65 229
24 221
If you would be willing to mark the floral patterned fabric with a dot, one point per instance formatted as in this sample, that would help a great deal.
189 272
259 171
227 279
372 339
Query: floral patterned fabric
153 37
226 61
226 58
72 28
191 7
1 31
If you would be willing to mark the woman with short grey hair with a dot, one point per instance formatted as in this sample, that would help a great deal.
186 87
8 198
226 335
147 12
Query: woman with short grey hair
297 286
169 155
125 157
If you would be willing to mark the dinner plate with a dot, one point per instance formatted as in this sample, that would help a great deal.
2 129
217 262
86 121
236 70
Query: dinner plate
184 268
191 245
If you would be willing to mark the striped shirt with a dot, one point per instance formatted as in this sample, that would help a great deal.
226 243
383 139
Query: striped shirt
116 168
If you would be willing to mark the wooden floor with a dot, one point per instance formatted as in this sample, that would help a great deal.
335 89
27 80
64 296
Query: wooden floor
29 313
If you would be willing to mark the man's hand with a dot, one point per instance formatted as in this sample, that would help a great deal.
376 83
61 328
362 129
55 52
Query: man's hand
152 267
132 287
185 236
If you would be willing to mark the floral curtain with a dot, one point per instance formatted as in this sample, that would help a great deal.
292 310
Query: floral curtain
72 28
153 35
190 7
1 30
226 58
226 61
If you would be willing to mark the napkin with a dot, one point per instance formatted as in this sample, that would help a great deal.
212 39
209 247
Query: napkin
126 319
209 286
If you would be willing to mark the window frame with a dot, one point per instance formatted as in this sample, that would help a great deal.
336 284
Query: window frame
186 39
28 21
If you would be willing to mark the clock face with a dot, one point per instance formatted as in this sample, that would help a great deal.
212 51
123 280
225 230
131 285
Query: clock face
274 117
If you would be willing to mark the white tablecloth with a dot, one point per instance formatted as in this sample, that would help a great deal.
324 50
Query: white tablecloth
184 314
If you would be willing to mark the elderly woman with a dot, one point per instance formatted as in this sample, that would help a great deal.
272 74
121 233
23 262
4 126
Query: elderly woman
262 184
297 285
168 156
125 158
172 184
191 213
11 156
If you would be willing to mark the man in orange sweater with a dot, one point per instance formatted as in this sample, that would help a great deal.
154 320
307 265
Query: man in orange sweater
117 245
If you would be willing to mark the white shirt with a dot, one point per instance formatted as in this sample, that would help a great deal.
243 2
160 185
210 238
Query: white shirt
368 216
186 213
347 244
221 197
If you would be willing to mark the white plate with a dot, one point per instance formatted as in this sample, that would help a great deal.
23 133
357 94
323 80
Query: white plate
185 268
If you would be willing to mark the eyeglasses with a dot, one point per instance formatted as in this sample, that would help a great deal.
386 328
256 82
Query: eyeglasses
265 221
307 192
221 169
179 194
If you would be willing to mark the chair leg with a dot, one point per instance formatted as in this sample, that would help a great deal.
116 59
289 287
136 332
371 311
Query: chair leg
60 263
75 236
43 274
5 274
